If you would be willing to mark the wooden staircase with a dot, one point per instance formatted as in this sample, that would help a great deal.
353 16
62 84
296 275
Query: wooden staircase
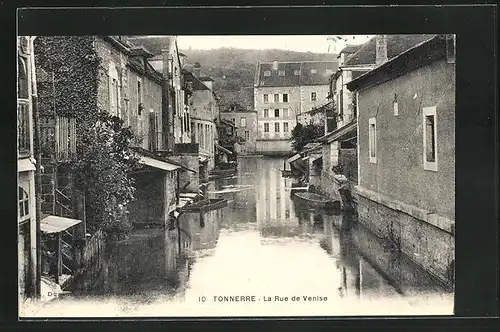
57 193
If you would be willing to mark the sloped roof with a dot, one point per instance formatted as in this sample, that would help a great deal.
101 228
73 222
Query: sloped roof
350 49
197 84
154 44
396 44
321 76
305 76
420 55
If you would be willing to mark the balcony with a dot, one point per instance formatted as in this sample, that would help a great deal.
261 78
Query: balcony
58 137
24 129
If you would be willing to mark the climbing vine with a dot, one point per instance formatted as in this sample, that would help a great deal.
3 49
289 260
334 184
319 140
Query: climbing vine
68 82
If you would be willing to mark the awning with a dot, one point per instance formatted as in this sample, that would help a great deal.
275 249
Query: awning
56 224
346 131
24 165
158 164
223 149
292 159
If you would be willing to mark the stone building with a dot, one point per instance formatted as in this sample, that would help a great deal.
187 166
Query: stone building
340 143
406 153
166 59
282 91
246 126
204 109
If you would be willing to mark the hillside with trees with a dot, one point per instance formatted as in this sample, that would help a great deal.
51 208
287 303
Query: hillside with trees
233 68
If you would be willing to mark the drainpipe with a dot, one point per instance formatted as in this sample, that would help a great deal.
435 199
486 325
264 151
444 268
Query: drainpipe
38 172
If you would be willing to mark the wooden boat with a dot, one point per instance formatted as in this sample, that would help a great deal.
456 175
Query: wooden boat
317 200
205 205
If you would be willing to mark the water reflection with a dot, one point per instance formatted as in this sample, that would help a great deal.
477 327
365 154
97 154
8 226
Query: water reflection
262 243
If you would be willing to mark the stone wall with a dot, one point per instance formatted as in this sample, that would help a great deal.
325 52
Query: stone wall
429 246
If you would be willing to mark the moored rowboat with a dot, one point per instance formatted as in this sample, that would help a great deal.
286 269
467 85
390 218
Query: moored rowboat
317 200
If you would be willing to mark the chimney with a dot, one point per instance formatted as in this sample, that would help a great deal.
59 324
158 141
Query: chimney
197 69
380 49
275 64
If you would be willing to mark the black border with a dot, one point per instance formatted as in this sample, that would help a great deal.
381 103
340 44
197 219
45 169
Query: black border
477 122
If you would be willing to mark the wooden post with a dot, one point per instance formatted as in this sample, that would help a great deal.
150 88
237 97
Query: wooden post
58 254
178 234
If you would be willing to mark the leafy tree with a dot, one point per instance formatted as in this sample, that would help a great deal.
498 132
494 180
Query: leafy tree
301 135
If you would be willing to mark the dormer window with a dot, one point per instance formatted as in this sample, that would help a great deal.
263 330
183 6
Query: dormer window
313 71
281 72
267 73
296 72
329 71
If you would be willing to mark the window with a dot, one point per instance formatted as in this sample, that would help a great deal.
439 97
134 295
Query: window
139 97
266 98
247 135
313 96
266 113
276 127
296 72
329 71
285 97
285 112
313 71
24 206
281 72
266 127
277 113
285 127
243 122
276 98
114 91
372 140
22 79
234 120
430 135
267 73
395 105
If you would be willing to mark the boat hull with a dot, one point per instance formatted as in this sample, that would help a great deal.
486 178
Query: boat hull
315 200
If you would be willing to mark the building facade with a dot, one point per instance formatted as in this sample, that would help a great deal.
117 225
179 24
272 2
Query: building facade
204 109
406 153
282 91
130 88
339 173
166 59
26 218
246 123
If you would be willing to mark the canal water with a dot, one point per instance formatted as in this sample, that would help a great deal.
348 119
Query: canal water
262 255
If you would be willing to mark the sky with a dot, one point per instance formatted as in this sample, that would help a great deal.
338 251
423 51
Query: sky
300 43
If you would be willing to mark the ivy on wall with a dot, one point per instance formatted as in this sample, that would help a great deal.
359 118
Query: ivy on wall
103 161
